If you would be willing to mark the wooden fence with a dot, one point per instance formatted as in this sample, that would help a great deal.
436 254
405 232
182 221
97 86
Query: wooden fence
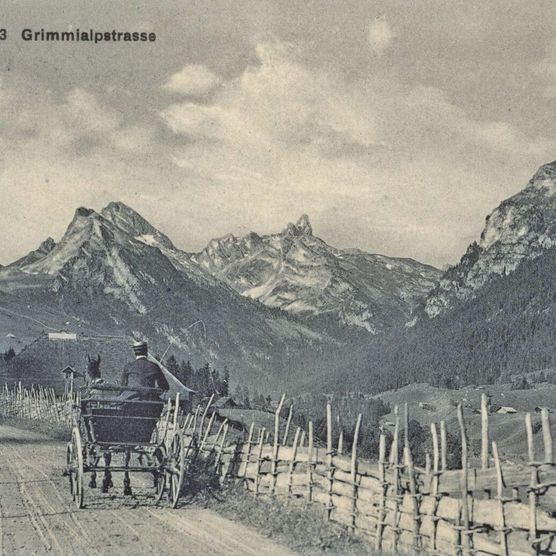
37 403
496 508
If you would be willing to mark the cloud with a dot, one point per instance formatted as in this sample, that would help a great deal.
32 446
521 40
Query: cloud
193 80
378 164
380 35
545 70
277 101
408 162
88 113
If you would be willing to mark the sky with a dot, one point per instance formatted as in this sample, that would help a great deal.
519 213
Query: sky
396 126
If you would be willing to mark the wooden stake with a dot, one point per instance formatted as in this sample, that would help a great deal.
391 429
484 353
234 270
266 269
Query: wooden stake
499 496
408 460
329 460
484 432
248 451
288 423
207 432
383 490
394 459
434 486
465 533
176 412
443 446
205 412
310 463
276 447
292 460
221 448
354 472
533 483
340 449
259 460
394 445
546 435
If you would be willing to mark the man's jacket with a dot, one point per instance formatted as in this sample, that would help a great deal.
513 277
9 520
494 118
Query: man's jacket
143 372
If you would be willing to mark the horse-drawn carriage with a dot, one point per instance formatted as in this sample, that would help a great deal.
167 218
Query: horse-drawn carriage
125 422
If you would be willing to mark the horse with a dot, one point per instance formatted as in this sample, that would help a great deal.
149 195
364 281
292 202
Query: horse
93 372
93 367
94 375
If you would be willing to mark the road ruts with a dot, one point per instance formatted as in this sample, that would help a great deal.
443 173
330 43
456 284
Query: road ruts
37 515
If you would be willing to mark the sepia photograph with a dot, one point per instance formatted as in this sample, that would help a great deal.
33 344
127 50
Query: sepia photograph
277 277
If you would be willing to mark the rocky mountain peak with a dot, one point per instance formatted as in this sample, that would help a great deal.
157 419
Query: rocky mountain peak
547 172
522 227
83 212
301 228
47 245
44 249
129 220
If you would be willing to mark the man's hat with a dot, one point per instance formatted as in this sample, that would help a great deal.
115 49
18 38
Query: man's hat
140 348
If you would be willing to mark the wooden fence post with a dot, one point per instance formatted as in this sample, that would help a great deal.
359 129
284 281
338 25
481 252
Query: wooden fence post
533 483
221 448
310 463
288 424
499 496
484 432
340 449
353 470
259 460
276 447
434 486
248 451
205 412
394 461
464 530
443 446
292 460
383 490
546 436
329 460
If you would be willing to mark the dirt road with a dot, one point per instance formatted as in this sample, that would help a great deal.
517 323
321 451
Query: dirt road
37 514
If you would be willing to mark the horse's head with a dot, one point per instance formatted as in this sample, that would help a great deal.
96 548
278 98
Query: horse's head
93 366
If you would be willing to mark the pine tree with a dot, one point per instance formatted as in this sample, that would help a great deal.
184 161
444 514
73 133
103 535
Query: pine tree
10 354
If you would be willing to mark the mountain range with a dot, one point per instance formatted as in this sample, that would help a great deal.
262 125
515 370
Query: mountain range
299 273
287 310
490 318
113 275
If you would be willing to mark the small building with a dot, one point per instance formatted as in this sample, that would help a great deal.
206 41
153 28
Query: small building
63 336
506 410
427 406
68 372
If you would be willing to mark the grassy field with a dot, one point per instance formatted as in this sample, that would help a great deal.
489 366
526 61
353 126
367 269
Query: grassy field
428 404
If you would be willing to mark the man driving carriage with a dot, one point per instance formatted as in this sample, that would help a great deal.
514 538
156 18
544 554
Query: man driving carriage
143 372
123 413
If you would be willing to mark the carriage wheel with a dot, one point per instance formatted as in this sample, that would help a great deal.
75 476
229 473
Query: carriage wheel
76 469
159 457
177 468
